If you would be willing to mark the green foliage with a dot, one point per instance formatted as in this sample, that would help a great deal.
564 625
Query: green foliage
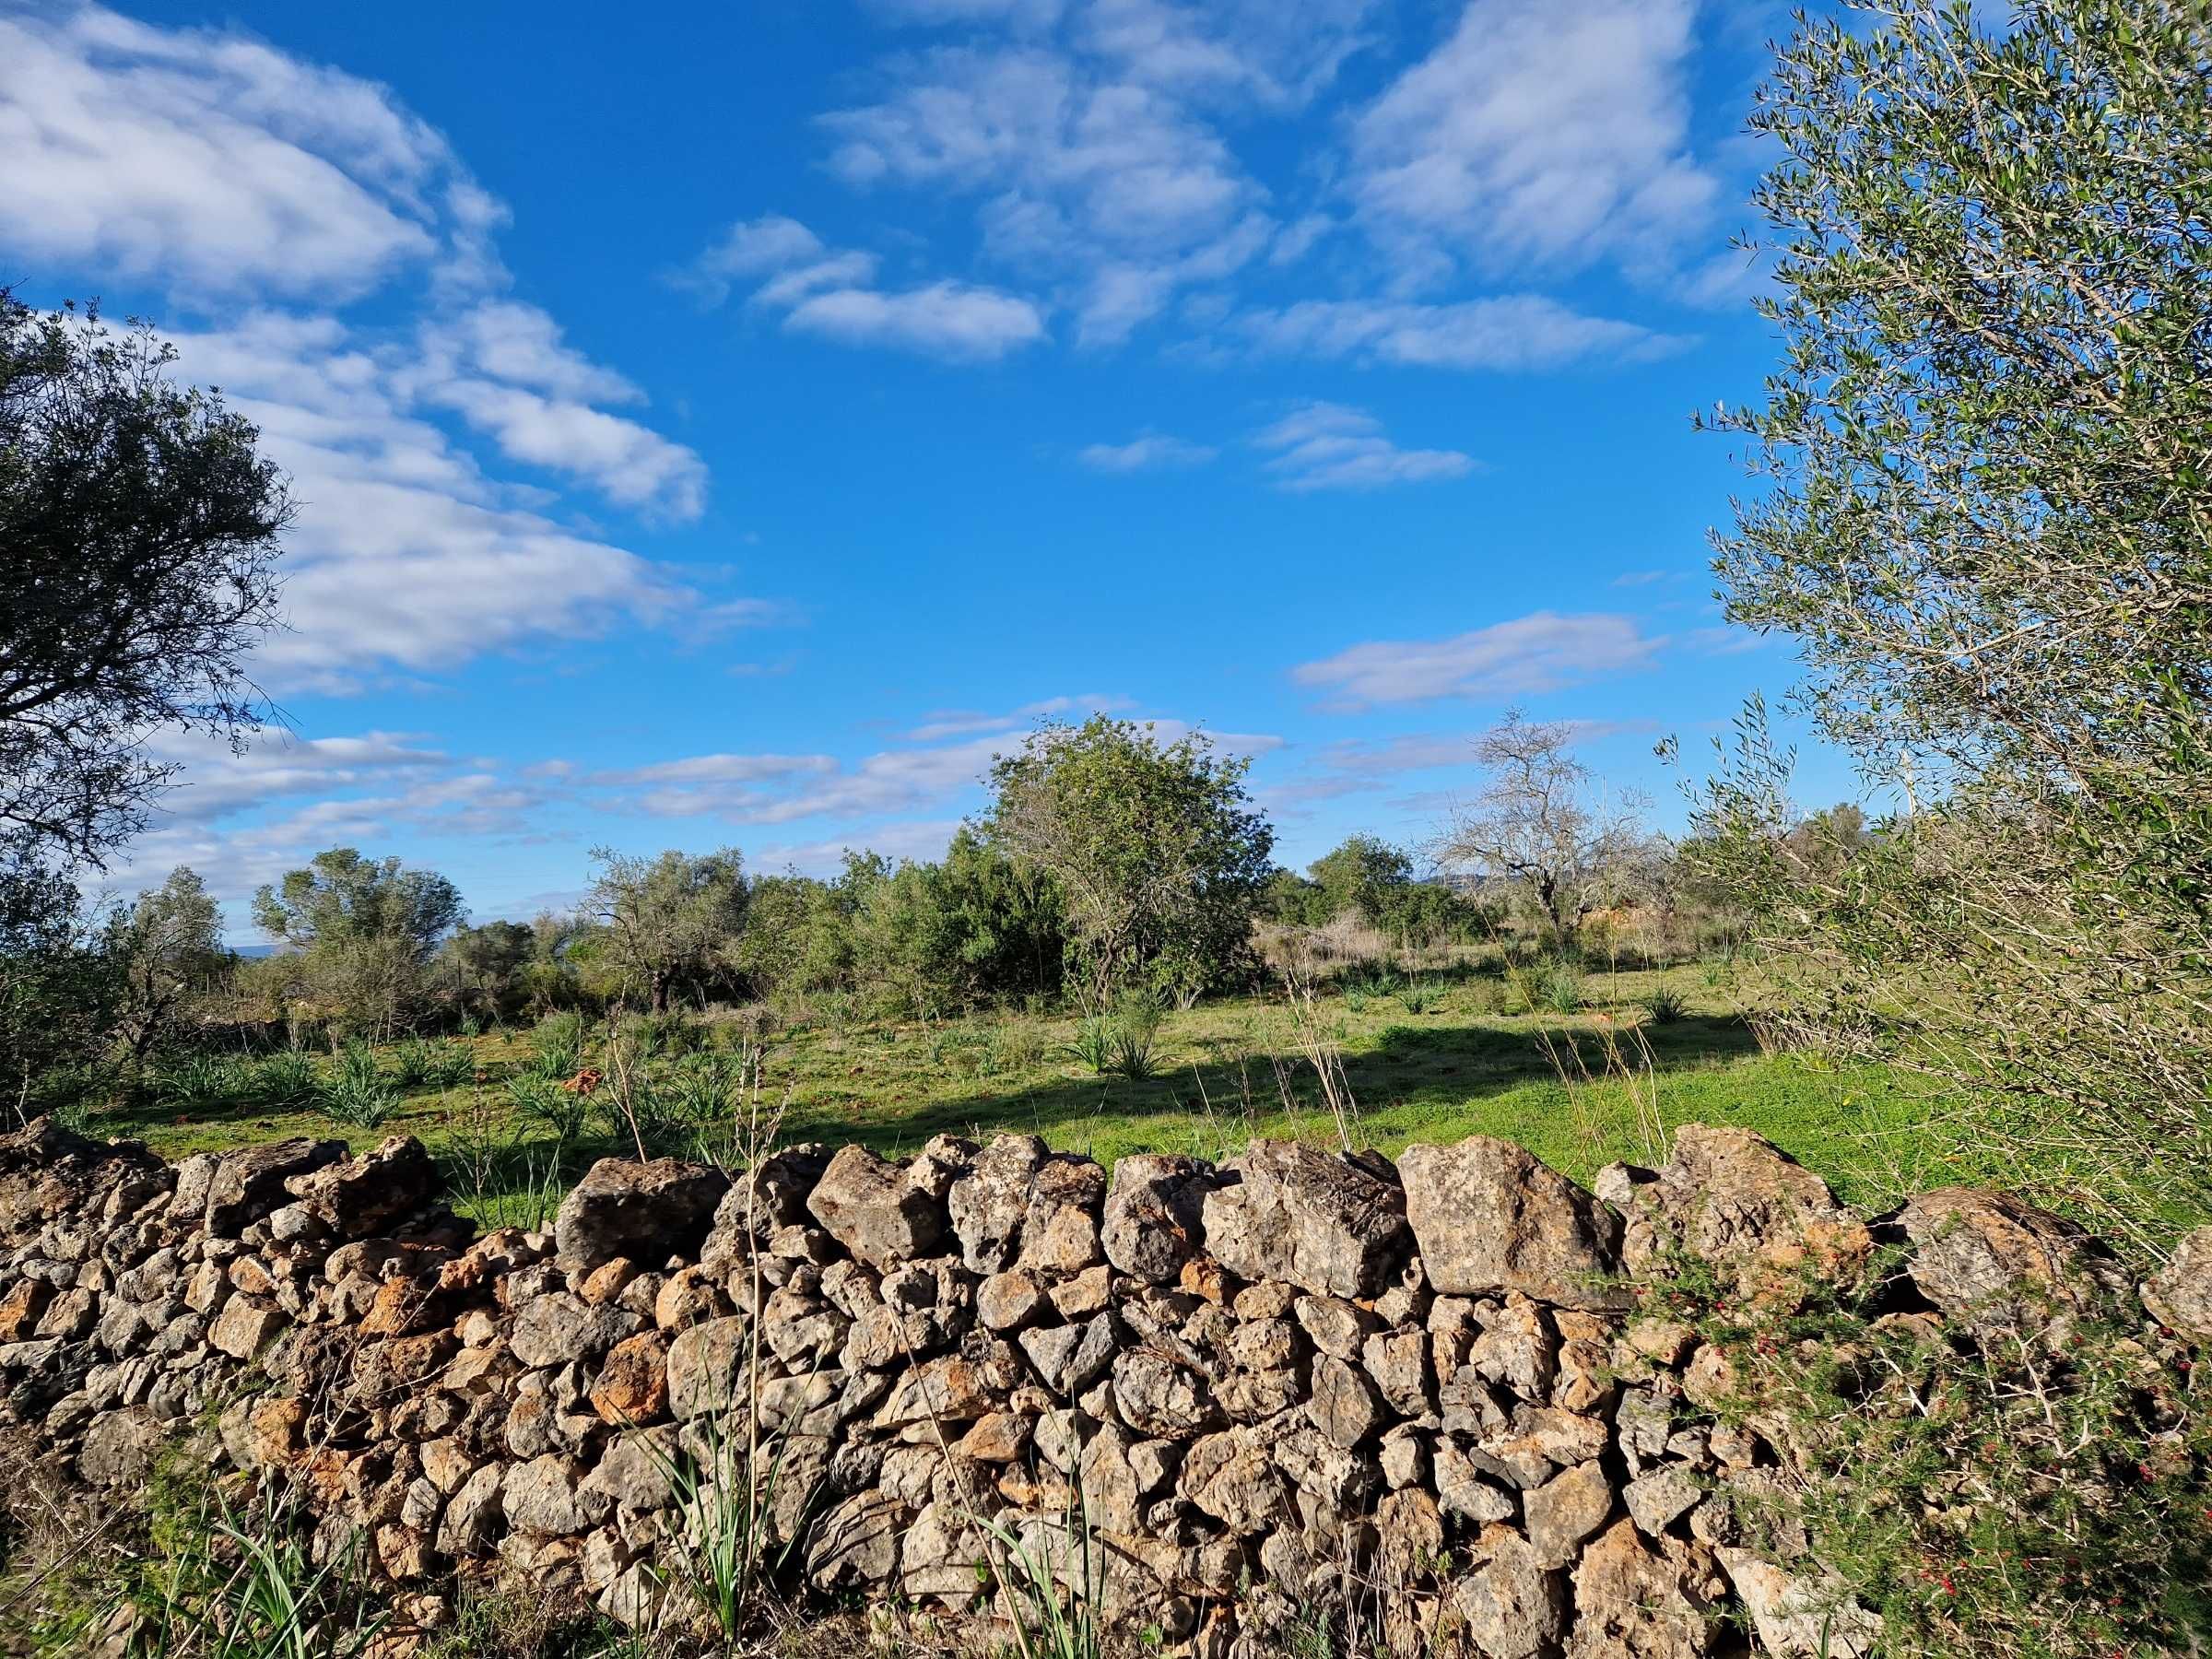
59 993
355 1091
200 1084
141 534
1093 1042
1556 988
1156 850
207 1572
285 1079
1666 1006
1420 995
566 1114
341 897
670 923
1136 1019
1985 524
557 1045
165 946
2046 1491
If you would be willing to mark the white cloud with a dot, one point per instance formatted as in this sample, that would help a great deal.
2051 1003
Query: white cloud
206 161
1280 53
1328 446
1510 332
720 769
402 551
204 158
1151 451
892 782
834 294
1532 653
632 465
1106 184
947 317
1547 131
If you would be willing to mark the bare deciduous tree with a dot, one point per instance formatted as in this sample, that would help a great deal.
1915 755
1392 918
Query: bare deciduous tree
1546 825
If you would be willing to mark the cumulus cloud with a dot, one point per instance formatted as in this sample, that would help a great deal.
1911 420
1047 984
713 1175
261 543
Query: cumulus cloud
404 552
202 158
1551 132
835 295
1151 451
1104 184
1538 653
1328 446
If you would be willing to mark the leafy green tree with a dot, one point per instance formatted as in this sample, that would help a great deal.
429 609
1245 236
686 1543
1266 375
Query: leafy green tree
141 530
1985 524
59 993
363 932
341 897
1293 901
1156 850
671 923
165 946
1365 873
1008 919
490 960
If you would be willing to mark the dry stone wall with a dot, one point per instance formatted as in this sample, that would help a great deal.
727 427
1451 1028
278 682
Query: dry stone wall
1208 1397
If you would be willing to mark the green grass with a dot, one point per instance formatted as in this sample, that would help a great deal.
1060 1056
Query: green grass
1219 1074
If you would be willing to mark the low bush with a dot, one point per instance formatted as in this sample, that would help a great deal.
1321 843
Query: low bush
355 1091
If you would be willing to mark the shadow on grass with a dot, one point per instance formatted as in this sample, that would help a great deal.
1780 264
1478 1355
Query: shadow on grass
1411 1072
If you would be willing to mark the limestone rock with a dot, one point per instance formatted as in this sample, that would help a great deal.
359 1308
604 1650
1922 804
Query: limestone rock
1324 1223
1154 1215
247 1184
870 1206
1991 1261
646 1211
1514 1608
1639 1601
2180 1294
1801 1619
988 1205
1489 1217
1567 1508
358 1198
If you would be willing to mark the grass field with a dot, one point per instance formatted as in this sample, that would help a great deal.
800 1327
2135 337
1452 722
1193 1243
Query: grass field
1607 1082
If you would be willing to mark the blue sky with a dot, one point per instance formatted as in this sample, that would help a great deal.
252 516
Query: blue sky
730 425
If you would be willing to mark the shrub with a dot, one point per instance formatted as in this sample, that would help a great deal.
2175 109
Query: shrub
198 1083
541 1101
2046 1491
1420 996
413 1059
286 1079
355 1092
1093 1044
1666 1007
1558 989
557 1045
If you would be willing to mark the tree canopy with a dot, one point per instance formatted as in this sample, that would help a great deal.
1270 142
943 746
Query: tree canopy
141 528
1156 848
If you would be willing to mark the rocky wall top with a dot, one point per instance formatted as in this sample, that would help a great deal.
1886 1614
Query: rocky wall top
1210 1397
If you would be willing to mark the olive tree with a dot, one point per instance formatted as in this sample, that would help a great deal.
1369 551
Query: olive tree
140 526
363 931
1159 854
165 945
1985 524
669 921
